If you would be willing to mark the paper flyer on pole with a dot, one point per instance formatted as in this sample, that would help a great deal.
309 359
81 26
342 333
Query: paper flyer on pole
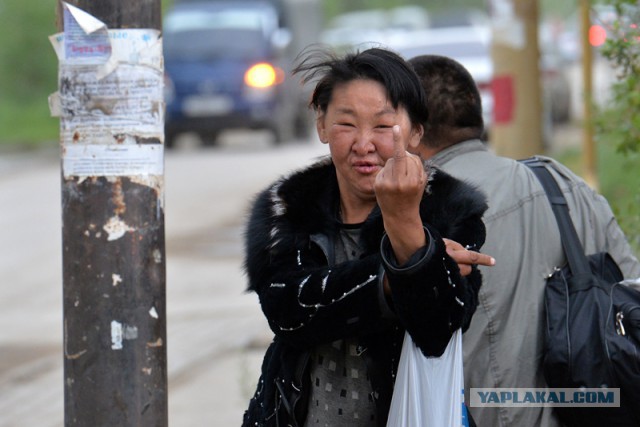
110 98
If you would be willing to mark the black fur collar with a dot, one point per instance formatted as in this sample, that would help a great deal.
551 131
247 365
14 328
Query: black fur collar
309 200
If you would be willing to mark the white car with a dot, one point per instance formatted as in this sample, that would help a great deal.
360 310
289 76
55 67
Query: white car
371 27
470 46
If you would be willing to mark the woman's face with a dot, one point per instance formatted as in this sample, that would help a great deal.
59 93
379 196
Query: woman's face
358 128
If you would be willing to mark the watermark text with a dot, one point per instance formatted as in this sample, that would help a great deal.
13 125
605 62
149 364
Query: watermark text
537 397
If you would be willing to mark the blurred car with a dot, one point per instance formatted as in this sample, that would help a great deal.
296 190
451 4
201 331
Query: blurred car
370 27
471 47
555 84
460 17
226 67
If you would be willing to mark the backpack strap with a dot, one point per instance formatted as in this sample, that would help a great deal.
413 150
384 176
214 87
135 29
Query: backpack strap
573 249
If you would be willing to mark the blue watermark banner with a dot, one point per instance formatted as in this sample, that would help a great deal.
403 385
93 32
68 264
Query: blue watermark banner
538 397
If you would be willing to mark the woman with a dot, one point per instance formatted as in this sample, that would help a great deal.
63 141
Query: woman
348 253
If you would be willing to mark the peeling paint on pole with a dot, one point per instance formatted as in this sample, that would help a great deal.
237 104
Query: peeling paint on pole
111 110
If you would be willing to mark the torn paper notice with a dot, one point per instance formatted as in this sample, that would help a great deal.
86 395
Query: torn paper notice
112 160
110 99
84 20
128 100
97 108
86 38
139 46
120 332
116 335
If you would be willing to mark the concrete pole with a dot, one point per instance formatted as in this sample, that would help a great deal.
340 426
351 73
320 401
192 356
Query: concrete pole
113 241
516 131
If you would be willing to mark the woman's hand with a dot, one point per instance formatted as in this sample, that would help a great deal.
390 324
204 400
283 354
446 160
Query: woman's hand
399 188
465 258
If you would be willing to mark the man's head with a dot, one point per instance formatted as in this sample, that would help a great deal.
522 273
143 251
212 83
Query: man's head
453 102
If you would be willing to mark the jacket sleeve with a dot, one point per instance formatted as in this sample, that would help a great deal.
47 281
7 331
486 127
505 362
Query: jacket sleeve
305 301
430 296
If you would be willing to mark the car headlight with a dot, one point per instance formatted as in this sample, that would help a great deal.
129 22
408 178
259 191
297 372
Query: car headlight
263 75
261 81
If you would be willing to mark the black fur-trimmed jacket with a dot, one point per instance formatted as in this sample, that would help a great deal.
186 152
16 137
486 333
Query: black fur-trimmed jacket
308 301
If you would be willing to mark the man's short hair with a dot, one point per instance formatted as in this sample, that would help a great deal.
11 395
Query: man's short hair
453 101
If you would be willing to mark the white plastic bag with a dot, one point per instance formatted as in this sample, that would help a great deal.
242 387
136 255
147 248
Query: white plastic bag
429 391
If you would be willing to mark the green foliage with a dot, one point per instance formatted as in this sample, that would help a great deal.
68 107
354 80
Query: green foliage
619 122
27 61
28 71
619 183
27 124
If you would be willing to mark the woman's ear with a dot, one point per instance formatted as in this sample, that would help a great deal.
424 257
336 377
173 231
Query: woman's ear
416 136
322 132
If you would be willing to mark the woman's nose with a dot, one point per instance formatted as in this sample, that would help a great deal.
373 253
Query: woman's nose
363 143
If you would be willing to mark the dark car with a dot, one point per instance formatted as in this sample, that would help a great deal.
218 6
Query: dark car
226 67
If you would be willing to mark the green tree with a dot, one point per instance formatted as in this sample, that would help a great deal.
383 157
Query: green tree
617 124
619 121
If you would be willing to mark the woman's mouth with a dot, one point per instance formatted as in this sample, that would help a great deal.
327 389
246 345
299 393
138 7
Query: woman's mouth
365 167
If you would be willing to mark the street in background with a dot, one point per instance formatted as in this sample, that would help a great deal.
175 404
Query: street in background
227 66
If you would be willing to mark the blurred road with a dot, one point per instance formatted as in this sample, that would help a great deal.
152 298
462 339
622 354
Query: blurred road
216 333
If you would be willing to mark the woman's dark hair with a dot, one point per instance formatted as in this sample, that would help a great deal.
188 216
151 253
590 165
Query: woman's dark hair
384 66
452 98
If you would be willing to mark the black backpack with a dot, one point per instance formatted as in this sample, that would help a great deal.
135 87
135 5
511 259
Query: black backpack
592 334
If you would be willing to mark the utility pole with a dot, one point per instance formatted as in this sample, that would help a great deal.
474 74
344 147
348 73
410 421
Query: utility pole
516 130
589 151
114 267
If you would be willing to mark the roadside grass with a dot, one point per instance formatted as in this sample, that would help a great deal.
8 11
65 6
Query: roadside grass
619 183
27 125
28 72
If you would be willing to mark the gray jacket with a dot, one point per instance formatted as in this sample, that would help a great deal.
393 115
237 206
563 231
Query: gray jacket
503 346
